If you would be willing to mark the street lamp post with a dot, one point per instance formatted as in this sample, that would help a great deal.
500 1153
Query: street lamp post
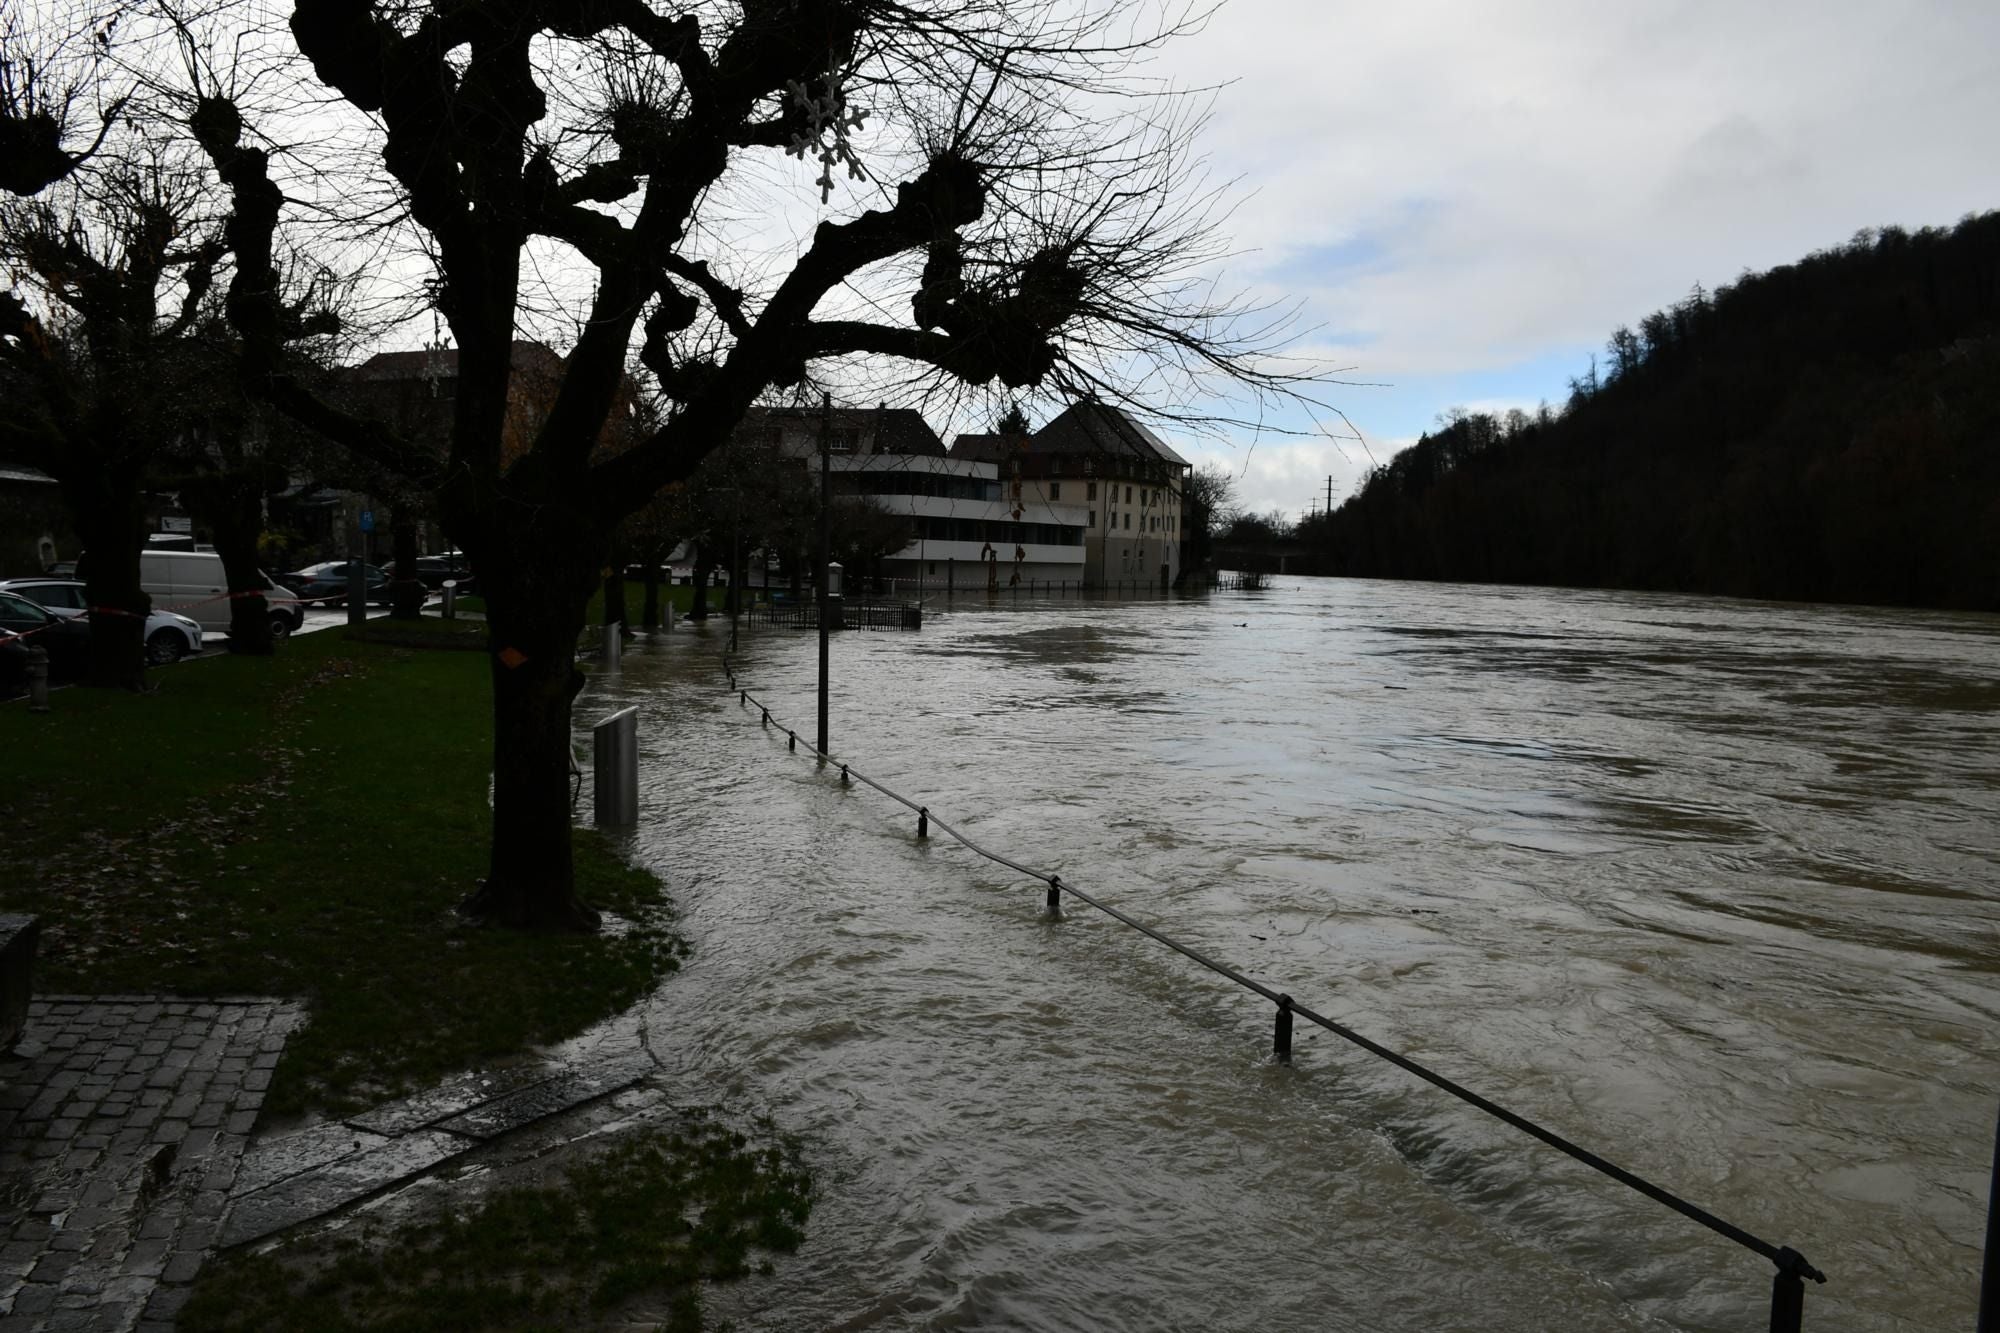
825 544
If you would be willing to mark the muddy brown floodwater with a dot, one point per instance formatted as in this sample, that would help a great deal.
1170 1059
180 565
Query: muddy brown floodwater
1711 887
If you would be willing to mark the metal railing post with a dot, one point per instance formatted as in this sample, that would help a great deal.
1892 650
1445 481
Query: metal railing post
1793 1269
1788 1294
1989 1282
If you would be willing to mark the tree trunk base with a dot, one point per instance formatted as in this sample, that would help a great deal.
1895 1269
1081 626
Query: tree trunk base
508 903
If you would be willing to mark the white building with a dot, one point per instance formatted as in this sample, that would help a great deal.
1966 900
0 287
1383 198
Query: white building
972 529
1128 482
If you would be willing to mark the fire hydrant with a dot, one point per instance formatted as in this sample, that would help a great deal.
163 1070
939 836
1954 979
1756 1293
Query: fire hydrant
38 679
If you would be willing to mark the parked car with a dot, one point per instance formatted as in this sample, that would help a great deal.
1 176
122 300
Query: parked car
326 583
169 637
24 623
433 570
193 583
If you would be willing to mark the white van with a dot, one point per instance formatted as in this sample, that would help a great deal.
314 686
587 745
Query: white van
192 583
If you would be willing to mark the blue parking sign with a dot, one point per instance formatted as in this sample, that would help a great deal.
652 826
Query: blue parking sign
368 520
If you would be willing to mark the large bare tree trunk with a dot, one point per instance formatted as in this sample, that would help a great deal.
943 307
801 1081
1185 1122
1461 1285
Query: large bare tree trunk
651 617
531 879
703 566
406 594
112 525
231 506
614 594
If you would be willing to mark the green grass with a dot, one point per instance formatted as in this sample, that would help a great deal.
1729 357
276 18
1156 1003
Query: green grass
653 1216
304 826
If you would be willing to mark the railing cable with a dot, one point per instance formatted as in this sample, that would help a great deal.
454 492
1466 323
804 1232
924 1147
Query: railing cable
1787 1294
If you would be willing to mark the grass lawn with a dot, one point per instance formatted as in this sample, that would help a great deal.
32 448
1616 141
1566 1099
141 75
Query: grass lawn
303 826
638 1223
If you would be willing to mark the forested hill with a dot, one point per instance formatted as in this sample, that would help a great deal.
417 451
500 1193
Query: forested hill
1829 430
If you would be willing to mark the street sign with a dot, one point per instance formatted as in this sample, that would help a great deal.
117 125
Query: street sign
170 523
368 520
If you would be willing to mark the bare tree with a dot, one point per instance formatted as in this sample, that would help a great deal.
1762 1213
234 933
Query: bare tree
1029 209
53 68
114 264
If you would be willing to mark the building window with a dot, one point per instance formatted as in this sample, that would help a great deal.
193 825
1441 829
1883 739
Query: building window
1055 491
1128 495
1128 522
1090 490
1093 519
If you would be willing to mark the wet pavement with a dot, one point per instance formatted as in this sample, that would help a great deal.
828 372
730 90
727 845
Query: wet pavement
297 1177
122 1123
126 1157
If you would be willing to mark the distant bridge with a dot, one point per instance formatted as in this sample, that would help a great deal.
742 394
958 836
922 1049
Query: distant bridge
1263 557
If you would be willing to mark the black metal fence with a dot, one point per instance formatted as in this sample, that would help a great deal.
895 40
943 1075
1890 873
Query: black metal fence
1792 1269
804 614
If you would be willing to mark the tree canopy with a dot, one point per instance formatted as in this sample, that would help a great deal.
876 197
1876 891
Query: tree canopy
731 197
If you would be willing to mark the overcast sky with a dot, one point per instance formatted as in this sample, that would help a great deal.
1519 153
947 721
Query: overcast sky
1469 197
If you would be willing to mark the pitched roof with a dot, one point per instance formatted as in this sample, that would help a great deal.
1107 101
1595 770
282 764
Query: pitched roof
989 447
897 430
442 363
1100 428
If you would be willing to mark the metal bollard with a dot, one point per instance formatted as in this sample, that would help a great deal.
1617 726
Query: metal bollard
1281 1040
924 822
670 615
615 760
614 643
794 746
1055 895
450 590
38 678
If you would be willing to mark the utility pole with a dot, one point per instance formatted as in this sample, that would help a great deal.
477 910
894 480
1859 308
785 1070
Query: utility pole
1329 492
825 547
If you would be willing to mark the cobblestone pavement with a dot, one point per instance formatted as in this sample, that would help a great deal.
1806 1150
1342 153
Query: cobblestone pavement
123 1120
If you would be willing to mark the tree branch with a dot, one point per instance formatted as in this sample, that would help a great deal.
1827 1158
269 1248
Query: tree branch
254 306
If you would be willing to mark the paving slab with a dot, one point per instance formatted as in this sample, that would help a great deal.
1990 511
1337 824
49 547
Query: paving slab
567 1090
450 1098
102 1198
339 1183
274 1159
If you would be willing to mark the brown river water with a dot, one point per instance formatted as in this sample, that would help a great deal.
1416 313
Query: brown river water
1710 887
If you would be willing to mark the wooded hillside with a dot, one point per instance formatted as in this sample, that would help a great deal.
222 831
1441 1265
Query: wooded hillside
1828 430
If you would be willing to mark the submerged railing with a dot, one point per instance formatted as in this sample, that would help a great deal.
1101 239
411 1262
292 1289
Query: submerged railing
1787 1283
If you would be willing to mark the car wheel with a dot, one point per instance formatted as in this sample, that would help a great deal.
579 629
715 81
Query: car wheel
165 648
281 627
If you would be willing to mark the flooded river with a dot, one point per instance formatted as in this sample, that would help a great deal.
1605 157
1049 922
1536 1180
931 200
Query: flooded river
1710 887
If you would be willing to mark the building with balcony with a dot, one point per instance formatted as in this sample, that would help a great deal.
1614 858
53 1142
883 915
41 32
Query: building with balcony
973 528
1128 482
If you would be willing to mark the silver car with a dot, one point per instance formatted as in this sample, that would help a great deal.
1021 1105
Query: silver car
169 637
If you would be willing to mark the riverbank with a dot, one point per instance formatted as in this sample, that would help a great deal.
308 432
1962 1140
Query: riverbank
303 827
